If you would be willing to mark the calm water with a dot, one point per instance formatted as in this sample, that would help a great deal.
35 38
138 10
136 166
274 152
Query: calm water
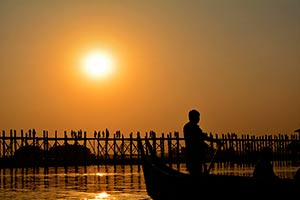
96 182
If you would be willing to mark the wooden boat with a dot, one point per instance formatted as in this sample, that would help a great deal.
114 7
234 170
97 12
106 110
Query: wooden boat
165 183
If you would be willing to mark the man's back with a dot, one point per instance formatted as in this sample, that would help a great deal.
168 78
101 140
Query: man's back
195 147
193 137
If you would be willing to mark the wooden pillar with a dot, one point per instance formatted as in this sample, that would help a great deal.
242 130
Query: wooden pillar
15 141
98 144
177 146
217 139
84 139
114 148
211 143
225 146
138 135
130 146
55 139
44 140
3 143
106 145
122 148
162 146
11 142
85 148
170 148
153 135
22 138
65 138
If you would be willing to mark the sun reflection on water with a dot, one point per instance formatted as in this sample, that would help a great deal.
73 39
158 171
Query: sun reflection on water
102 195
99 174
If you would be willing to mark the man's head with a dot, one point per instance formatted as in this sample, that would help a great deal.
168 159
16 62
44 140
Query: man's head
194 116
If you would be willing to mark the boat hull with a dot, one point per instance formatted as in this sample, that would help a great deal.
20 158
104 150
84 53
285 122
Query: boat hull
164 183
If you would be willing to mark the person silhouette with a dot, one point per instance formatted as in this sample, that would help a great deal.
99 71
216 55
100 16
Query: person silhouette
263 168
195 145
297 175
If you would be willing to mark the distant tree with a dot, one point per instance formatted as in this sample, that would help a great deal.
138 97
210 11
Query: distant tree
28 155
71 154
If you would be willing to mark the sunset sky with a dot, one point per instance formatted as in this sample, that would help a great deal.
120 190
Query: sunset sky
237 62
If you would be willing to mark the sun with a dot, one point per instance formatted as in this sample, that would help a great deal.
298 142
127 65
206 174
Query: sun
97 64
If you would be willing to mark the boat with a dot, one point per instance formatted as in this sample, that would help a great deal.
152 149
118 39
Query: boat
166 183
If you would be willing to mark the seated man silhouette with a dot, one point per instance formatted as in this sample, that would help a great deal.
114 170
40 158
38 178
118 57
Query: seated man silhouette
297 175
264 168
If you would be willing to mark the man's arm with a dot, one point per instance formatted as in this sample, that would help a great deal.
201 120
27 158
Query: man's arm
211 139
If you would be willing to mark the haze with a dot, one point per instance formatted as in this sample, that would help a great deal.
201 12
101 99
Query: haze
237 62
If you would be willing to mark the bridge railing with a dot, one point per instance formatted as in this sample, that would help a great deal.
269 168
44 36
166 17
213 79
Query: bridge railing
104 147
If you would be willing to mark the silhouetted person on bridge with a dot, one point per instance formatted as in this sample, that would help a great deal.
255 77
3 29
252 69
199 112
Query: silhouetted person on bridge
196 147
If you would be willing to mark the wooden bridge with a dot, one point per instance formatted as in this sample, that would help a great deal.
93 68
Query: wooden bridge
117 149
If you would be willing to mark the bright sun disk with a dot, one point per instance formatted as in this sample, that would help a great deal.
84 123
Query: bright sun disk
97 64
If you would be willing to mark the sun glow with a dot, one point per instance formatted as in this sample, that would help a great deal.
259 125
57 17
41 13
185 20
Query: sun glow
102 195
97 64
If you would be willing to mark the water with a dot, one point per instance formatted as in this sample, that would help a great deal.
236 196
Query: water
282 169
82 183
96 182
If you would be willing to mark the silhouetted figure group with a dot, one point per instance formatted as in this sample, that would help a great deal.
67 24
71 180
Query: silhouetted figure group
97 134
76 135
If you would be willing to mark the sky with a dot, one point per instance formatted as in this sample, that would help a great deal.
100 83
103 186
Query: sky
237 62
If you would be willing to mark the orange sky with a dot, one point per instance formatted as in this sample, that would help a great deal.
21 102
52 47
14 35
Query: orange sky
237 62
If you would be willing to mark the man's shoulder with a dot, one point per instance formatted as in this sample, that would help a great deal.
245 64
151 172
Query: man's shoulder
190 127
188 124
